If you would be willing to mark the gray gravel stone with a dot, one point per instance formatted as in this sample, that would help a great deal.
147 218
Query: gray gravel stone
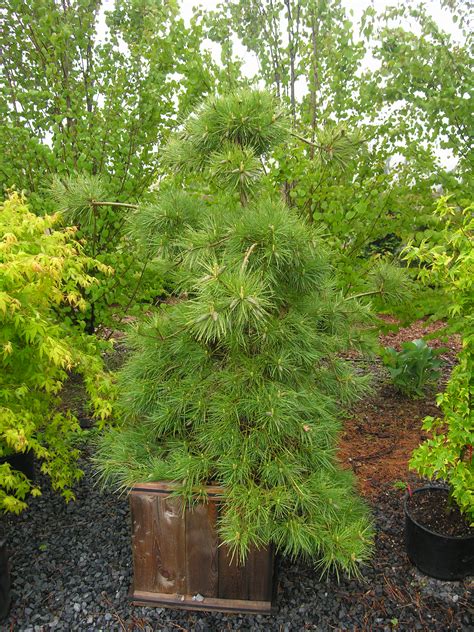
80 581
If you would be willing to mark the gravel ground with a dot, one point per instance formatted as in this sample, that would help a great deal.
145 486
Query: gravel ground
71 571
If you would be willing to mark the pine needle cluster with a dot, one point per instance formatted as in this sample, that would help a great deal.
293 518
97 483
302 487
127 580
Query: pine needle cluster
240 382
227 140
74 197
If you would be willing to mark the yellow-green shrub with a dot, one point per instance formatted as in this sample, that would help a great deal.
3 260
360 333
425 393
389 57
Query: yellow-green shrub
42 269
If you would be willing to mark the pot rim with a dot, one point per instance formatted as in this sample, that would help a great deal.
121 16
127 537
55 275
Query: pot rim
439 535
29 453
168 487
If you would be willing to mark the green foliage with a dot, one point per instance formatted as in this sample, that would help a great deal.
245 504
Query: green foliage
227 141
77 99
402 485
447 454
366 213
424 80
413 368
42 269
75 197
94 92
295 43
371 161
83 201
238 381
102 106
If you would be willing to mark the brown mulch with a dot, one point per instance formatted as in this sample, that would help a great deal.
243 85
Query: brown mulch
384 429
420 329
381 435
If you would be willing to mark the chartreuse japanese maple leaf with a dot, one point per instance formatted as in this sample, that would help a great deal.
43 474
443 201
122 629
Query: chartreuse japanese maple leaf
42 268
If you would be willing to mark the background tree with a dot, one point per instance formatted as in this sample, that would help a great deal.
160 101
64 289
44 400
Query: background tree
369 175
423 83
295 44
94 93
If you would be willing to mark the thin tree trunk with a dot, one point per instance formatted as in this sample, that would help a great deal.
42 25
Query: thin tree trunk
291 52
293 44
315 84
271 34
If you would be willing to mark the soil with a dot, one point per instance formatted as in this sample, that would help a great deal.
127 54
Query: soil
432 331
433 510
382 430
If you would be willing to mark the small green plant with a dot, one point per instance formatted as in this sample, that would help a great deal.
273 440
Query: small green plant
413 368
403 486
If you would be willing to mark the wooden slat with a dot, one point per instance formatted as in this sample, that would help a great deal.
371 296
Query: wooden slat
158 540
260 574
172 529
177 555
232 576
186 602
201 550
143 543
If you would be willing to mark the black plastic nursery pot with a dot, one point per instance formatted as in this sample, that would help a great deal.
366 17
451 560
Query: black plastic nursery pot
441 556
22 461
5 584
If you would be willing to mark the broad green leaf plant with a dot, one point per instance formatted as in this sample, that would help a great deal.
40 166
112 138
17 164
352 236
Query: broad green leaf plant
239 381
93 87
368 176
413 368
448 454
41 269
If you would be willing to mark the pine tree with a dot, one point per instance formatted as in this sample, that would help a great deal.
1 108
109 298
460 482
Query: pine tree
240 382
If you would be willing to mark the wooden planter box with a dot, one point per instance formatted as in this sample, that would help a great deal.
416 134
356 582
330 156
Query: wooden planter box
178 561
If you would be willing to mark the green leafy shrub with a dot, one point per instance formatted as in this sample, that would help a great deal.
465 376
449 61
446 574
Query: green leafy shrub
41 269
447 454
104 98
413 368
366 214
239 381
